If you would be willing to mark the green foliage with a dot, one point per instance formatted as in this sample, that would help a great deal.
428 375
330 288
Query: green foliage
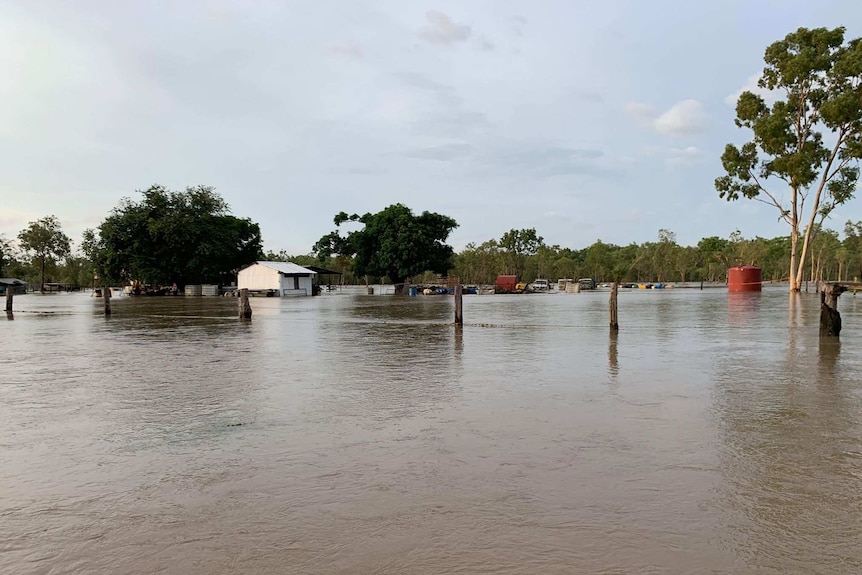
393 243
5 255
517 245
46 244
815 76
169 237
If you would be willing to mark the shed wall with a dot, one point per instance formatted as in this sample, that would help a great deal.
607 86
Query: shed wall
257 276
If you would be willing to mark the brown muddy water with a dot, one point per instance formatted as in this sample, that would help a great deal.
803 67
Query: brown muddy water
356 434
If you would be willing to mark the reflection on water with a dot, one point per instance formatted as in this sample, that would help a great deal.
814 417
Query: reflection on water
356 434
743 308
613 359
830 350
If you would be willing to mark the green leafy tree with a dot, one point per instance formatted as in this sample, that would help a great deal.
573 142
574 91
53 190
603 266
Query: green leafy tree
824 245
818 76
393 243
517 246
853 243
173 238
686 260
46 243
598 260
840 256
664 255
5 255
479 264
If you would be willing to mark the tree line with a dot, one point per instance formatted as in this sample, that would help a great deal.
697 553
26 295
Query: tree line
663 260
178 237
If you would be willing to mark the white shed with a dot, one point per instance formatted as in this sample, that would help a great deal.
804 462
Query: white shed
287 278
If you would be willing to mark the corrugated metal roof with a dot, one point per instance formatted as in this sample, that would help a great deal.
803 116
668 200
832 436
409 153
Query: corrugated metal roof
287 267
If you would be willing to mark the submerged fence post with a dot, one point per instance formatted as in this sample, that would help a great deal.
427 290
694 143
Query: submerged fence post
106 297
10 292
459 305
830 319
244 306
612 308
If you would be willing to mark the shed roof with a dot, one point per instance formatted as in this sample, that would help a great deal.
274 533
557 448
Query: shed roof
324 271
12 282
287 267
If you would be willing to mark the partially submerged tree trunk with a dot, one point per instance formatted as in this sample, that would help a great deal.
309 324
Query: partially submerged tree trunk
830 319
795 282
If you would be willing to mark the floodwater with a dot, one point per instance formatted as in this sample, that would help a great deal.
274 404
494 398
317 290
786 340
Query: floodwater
364 434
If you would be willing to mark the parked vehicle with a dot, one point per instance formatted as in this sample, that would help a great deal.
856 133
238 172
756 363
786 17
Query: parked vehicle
540 285
587 283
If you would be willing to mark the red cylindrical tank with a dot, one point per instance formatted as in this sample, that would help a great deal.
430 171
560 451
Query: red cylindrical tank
744 278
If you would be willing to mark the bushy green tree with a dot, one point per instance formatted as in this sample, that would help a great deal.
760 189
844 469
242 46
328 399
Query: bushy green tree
180 238
517 246
46 243
5 255
393 243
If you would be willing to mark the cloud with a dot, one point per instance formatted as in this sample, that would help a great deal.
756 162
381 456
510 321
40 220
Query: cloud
443 30
750 85
445 113
443 153
676 156
445 96
640 110
634 215
349 50
548 160
356 171
518 25
587 96
684 118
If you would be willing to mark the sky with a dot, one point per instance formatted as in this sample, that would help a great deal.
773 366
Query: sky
584 120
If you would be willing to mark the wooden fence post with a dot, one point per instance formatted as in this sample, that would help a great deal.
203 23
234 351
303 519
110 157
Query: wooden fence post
106 297
612 308
10 293
459 305
244 305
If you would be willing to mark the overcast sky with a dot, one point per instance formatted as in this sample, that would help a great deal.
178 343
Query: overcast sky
586 120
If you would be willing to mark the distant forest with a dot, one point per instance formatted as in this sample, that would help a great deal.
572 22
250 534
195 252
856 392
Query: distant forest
833 256
524 253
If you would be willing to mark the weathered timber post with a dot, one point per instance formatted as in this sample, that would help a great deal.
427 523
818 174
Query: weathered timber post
106 297
830 319
612 308
459 305
10 293
244 306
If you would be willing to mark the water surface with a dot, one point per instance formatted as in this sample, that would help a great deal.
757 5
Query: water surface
715 433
